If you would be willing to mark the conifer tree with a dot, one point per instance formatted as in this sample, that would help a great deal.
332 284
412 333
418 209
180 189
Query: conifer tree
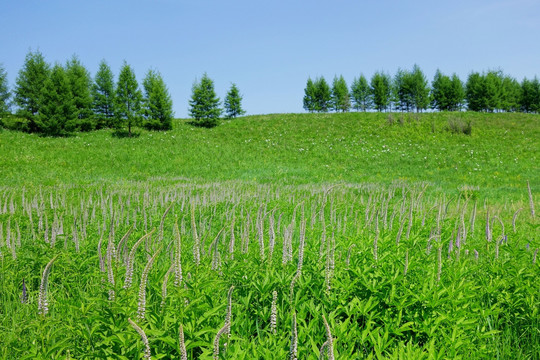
419 89
233 103
323 95
157 108
4 92
80 83
310 96
360 94
530 95
475 92
58 113
128 100
103 94
340 95
204 105
29 85
381 90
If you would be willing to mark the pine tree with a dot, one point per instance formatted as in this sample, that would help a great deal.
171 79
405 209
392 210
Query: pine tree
403 90
310 96
419 89
103 94
4 92
530 95
58 113
127 100
157 108
233 103
204 104
475 92
80 83
323 95
340 95
360 94
29 85
381 90
440 91
457 93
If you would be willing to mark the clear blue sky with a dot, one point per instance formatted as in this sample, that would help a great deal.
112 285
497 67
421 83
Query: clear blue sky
269 48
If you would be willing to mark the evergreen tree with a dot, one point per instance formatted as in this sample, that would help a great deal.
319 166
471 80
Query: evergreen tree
127 100
530 95
381 90
310 96
233 103
157 102
323 95
4 92
58 113
493 90
340 95
29 85
361 94
403 90
510 94
419 89
80 83
475 92
456 94
440 92
103 94
204 104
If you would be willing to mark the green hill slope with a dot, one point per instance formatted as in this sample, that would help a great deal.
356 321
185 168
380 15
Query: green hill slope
500 155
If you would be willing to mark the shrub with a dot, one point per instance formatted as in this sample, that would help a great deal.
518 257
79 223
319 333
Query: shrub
459 126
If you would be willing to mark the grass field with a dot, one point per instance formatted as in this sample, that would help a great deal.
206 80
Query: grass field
347 236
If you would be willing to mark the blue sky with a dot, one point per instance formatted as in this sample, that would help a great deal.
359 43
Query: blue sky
269 48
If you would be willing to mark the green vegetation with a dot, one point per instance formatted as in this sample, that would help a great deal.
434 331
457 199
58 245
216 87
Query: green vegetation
204 106
233 103
351 235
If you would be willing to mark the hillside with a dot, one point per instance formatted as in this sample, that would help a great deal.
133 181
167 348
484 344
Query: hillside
500 155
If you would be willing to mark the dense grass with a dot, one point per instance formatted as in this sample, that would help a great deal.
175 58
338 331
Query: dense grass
500 155
419 243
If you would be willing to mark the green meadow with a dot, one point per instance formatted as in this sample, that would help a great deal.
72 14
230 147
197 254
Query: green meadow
282 236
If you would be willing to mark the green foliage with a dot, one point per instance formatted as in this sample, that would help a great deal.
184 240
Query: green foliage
204 105
80 83
103 94
411 89
128 99
323 95
447 94
381 90
5 94
340 95
233 103
310 96
361 94
29 86
457 125
157 102
530 95
58 113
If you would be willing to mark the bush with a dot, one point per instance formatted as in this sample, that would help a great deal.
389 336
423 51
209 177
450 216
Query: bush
11 122
153 125
86 125
459 126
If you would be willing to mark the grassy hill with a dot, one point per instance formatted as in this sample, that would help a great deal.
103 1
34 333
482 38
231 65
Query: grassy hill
500 155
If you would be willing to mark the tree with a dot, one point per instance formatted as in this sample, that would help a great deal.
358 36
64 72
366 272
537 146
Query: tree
340 95
233 103
310 96
456 94
157 102
447 93
381 84
4 92
58 113
29 85
419 89
204 104
475 92
360 94
103 95
403 89
80 83
530 95
128 100
510 94
323 96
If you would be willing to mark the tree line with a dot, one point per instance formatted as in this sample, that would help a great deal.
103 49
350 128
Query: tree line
60 99
409 90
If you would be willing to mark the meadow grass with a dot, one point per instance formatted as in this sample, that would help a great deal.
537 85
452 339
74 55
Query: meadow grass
346 236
